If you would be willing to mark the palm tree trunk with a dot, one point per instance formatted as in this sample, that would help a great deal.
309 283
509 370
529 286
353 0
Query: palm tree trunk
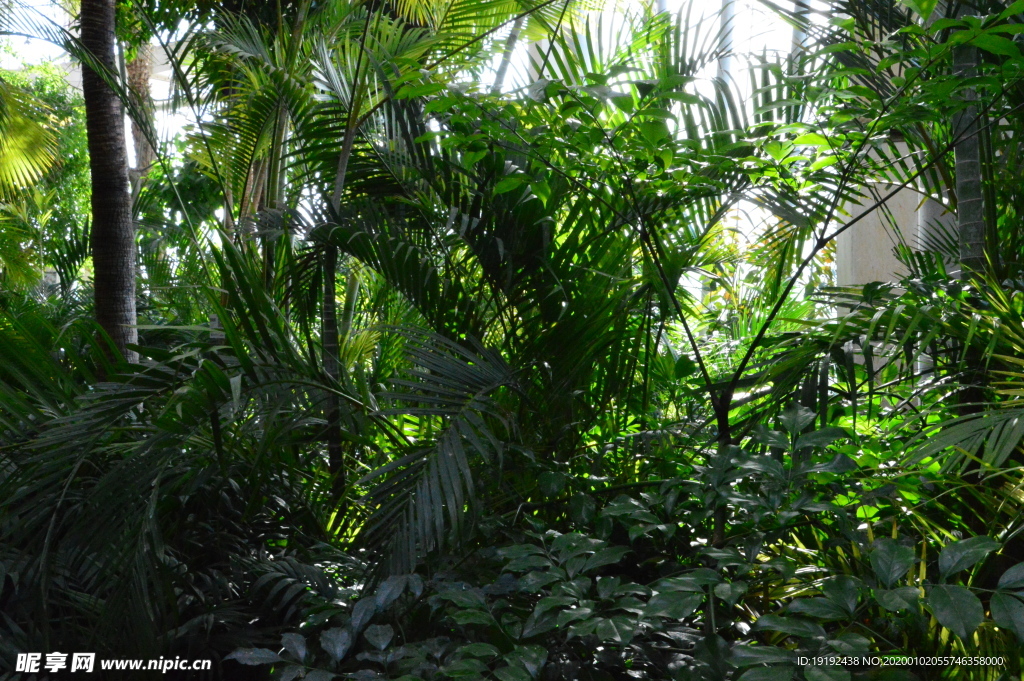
969 193
113 233
506 56
970 213
138 70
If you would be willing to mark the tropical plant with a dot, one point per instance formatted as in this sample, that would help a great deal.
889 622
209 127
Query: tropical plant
442 378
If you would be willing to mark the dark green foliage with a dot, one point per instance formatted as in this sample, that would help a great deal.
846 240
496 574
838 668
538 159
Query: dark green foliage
570 426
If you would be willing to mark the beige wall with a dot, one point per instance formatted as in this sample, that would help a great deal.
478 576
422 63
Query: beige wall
866 252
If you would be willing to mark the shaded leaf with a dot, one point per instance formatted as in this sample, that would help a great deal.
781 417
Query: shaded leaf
956 608
963 554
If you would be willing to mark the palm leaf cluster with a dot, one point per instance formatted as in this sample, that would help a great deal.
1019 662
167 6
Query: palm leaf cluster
400 311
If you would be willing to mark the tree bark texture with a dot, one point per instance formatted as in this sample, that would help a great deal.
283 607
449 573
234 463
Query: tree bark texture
113 233
969 192
138 82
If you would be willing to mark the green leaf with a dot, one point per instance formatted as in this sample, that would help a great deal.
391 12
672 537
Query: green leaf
1008 612
745 655
965 553
507 184
464 598
850 644
473 617
796 417
512 674
684 367
895 600
811 139
783 672
956 608
389 591
772 438
254 656
1013 578
891 561
673 605
731 592
842 590
997 45
573 615
362 612
295 644
790 625
822 608
336 642
618 629
465 667
531 658
319 675
923 8
604 557
826 673
379 635
479 650
582 508
550 483
821 438
654 131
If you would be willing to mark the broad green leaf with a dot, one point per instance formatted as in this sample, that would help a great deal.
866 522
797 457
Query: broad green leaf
922 8
673 605
842 590
898 599
997 45
254 656
826 673
730 592
783 672
790 625
1008 612
746 655
528 563
796 417
772 438
531 658
512 674
465 667
479 650
684 367
550 483
389 591
822 608
464 597
582 508
319 675
617 629
473 617
573 615
891 561
605 557
336 642
379 635
811 139
956 608
820 438
1013 578
362 613
963 554
295 644
507 184
850 644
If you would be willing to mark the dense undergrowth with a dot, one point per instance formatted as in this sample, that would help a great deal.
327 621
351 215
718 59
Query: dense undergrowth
441 381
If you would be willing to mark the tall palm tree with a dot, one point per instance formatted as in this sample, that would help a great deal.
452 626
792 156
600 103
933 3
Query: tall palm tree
113 231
